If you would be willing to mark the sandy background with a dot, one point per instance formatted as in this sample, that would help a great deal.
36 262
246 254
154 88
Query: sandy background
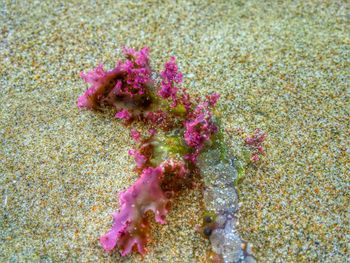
281 66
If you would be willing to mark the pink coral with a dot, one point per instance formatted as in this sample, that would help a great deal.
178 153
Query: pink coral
152 132
160 118
123 115
130 223
256 138
135 80
138 71
199 127
101 83
157 117
255 143
186 100
170 77
135 135
140 159
141 57
213 99
128 78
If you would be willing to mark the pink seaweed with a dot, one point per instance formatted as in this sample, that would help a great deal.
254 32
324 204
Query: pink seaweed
129 88
130 223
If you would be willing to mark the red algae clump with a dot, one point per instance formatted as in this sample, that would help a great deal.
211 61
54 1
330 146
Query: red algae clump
129 224
165 164
130 90
254 142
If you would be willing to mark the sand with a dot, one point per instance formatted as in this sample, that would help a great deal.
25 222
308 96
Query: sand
280 66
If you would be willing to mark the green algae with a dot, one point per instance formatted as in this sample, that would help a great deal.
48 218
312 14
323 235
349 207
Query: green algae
240 172
168 145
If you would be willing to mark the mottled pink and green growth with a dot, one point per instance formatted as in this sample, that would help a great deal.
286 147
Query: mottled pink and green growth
199 127
170 78
254 142
164 166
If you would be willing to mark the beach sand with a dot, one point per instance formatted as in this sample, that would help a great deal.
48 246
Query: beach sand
280 66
